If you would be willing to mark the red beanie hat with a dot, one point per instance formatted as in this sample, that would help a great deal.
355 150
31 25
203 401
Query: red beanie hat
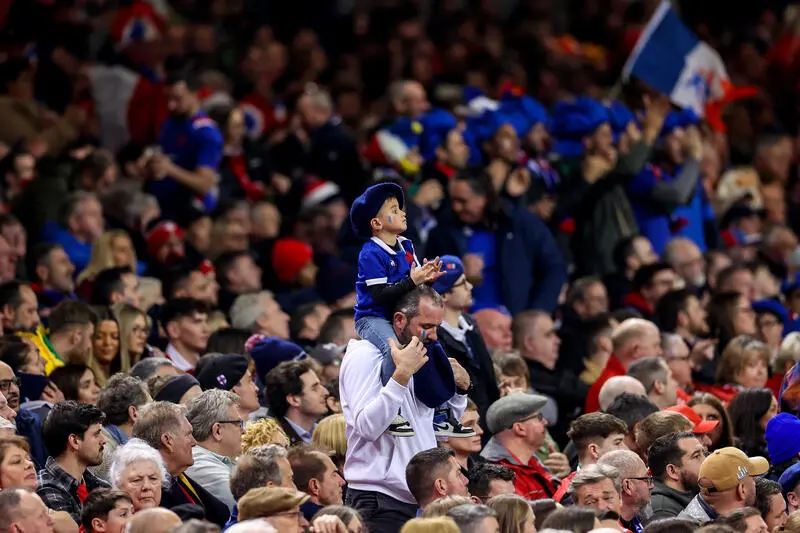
160 234
289 256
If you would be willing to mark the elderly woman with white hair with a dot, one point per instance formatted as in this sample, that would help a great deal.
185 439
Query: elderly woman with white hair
138 470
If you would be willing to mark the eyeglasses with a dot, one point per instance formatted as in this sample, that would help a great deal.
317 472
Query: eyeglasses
648 479
5 384
535 416
240 423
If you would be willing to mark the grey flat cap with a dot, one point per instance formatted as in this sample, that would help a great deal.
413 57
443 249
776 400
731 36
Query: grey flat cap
509 410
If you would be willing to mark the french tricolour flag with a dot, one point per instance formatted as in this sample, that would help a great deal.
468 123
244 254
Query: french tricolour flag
670 58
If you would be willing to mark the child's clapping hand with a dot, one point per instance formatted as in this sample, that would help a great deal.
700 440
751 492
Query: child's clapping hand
429 272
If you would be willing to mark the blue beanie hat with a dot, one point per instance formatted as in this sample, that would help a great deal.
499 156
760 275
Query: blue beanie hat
783 437
619 117
366 206
533 111
678 119
790 478
436 124
269 352
770 305
574 120
453 268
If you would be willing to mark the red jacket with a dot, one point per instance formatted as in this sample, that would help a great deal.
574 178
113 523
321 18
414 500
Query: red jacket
563 488
613 368
533 481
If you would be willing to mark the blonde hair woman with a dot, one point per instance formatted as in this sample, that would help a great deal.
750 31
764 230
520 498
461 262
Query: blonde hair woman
430 525
263 431
514 513
744 362
134 328
330 434
111 249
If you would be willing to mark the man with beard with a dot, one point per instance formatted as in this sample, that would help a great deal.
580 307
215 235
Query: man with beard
674 461
73 433
185 175
50 271
70 337
726 481
19 309
375 465
636 485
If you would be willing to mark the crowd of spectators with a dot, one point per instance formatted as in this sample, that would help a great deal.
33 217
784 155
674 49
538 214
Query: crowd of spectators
394 266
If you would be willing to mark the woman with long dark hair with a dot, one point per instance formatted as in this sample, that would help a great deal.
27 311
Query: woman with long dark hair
709 407
730 314
750 411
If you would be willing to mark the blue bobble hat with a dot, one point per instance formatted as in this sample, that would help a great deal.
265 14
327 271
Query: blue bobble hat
619 116
366 206
453 268
573 120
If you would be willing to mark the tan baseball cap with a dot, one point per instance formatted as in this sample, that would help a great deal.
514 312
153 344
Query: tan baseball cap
266 501
727 467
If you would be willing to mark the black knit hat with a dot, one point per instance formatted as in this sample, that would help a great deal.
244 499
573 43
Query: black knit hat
223 372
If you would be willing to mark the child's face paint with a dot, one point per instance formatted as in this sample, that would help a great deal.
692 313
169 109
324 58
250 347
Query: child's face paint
390 218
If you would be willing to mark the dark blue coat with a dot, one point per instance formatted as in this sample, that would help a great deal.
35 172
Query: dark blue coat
30 426
531 266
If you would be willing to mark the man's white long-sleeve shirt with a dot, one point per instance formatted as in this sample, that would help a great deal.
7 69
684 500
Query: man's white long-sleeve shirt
376 461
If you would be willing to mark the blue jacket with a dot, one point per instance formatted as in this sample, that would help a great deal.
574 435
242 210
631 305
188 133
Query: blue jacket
79 252
30 427
530 262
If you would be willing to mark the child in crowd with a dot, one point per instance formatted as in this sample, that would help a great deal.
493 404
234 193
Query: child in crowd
388 268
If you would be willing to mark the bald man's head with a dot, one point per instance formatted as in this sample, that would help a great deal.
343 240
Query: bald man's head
154 520
495 327
617 386
635 339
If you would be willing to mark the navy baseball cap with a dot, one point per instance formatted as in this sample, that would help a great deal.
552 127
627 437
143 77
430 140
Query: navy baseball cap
366 206
453 268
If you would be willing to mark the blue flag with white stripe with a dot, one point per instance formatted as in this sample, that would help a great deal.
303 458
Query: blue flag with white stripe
670 58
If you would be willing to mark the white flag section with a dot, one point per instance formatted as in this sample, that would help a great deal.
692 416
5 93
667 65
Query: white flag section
670 58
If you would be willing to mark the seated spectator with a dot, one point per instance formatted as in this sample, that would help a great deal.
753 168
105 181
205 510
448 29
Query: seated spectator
679 360
237 275
656 376
650 283
750 411
474 518
119 400
77 382
330 435
514 513
743 519
50 271
466 446
487 480
434 474
151 366
726 483
790 486
24 510
710 408
74 435
783 443
350 517
631 409
296 398
176 389
138 470
258 312
262 432
657 425
80 222
617 386
105 359
594 435
339 328
20 308
442 506
633 339
316 475
186 323
192 279
674 460
636 485
442 524
495 326
106 511
70 336
744 364
155 520
17 470
771 503
264 466
518 427
230 372
598 348
217 426
572 519
28 425
597 487
306 321
164 426
112 249
278 506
